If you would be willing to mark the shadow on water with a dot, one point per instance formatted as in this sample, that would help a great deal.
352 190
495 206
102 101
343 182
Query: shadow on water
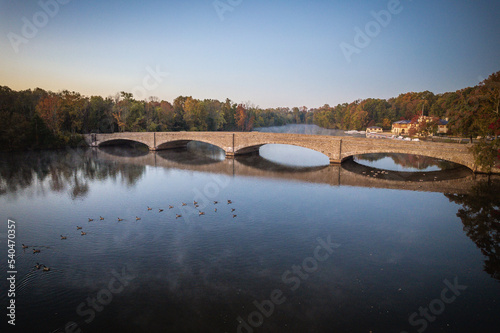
254 160
480 215
458 171
196 153
125 151
125 148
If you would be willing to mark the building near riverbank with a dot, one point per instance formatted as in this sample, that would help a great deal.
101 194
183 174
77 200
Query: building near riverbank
443 126
423 126
374 129
401 127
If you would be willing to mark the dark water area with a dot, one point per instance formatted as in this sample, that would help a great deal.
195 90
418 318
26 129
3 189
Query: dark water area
307 129
309 247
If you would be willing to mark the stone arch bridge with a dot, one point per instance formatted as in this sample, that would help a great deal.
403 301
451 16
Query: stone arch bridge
336 148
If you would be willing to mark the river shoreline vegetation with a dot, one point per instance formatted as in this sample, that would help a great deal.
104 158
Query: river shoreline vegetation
40 119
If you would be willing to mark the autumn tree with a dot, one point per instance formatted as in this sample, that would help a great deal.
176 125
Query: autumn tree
72 108
241 117
386 124
195 115
166 116
48 109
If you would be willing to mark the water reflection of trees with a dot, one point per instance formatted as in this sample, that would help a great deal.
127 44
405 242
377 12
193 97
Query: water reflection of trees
480 215
371 157
409 160
60 171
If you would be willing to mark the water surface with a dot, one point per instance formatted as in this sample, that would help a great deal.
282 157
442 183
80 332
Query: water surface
395 245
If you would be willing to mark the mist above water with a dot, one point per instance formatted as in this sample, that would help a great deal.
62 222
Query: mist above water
305 129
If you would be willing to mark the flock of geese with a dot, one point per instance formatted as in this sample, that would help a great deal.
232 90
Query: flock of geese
195 203
82 233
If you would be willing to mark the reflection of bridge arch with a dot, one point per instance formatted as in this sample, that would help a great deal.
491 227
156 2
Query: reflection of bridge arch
349 174
337 149
185 157
258 162
455 153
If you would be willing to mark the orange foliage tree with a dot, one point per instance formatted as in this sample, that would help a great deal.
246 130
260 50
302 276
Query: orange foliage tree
48 109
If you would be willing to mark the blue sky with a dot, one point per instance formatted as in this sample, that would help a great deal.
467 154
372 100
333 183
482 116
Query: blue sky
270 53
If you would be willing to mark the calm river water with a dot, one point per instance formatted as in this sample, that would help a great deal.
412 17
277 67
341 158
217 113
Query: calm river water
301 247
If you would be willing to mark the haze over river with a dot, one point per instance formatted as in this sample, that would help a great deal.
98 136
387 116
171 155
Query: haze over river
309 247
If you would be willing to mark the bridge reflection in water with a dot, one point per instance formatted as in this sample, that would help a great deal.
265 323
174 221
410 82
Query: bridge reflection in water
350 173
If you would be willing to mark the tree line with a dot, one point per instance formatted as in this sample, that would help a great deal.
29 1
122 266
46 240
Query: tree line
32 119
471 111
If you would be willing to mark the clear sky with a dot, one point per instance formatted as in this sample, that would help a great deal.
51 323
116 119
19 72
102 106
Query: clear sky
271 53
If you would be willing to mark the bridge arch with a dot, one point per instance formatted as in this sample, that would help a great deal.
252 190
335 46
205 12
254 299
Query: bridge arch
256 147
172 144
119 141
